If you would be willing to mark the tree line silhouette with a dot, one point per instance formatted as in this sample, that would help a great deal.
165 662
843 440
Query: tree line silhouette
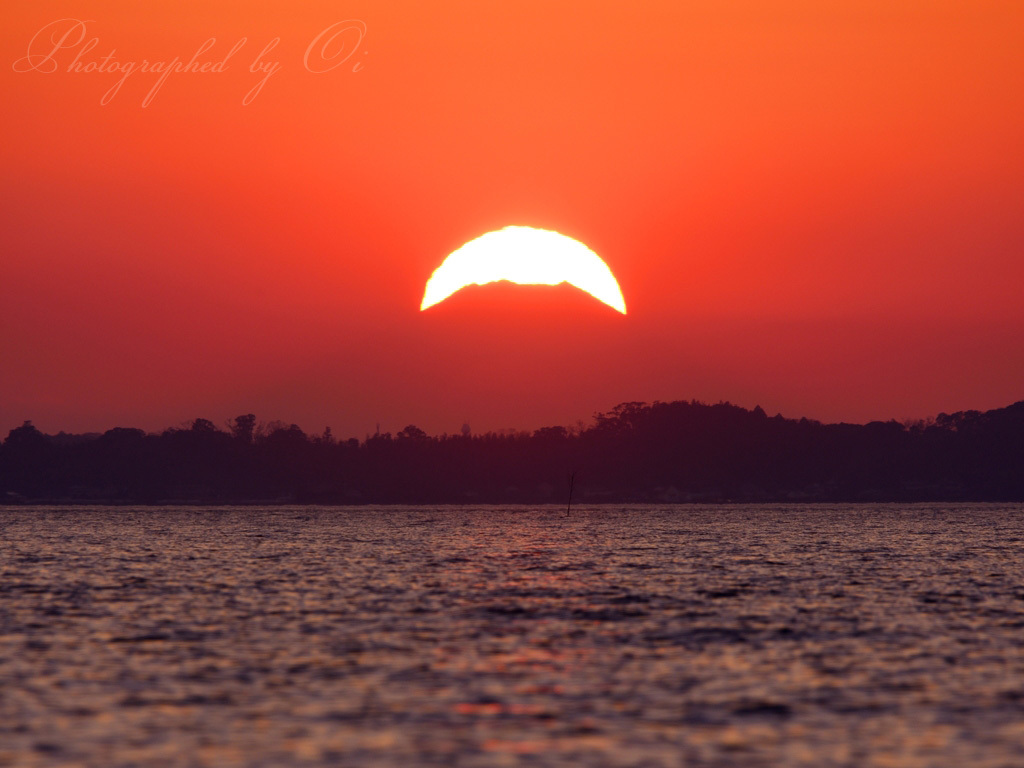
637 452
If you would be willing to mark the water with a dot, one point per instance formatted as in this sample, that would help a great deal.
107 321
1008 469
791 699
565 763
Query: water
670 636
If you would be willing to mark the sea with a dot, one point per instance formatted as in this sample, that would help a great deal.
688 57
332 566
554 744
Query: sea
748 635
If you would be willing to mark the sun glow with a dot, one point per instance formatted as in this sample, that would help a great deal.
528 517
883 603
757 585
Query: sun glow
526 256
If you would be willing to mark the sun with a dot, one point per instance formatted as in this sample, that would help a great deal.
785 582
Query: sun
526 256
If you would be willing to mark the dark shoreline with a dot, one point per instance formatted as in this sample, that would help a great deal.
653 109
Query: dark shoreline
555 506
638 453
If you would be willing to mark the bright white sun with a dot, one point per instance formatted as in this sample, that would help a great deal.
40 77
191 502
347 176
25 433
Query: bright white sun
527 256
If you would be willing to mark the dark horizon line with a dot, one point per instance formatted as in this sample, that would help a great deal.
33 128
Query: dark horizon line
635 453
275 424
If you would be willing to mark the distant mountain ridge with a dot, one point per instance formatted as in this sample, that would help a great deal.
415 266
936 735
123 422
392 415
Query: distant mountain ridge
637 452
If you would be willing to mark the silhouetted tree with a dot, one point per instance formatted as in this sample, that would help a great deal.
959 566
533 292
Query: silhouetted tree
412 432
243 427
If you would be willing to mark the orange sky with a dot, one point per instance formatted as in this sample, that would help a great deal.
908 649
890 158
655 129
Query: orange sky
815 207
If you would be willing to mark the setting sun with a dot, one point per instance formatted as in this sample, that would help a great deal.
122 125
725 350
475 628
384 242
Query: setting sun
526 256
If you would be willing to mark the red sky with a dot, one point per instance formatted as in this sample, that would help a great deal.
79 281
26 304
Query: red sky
815 207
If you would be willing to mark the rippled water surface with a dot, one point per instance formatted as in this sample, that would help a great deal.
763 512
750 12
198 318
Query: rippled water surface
669 636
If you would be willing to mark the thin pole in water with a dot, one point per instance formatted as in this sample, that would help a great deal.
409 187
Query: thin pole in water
572 479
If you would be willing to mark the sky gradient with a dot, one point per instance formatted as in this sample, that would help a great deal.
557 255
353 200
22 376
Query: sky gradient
816 208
